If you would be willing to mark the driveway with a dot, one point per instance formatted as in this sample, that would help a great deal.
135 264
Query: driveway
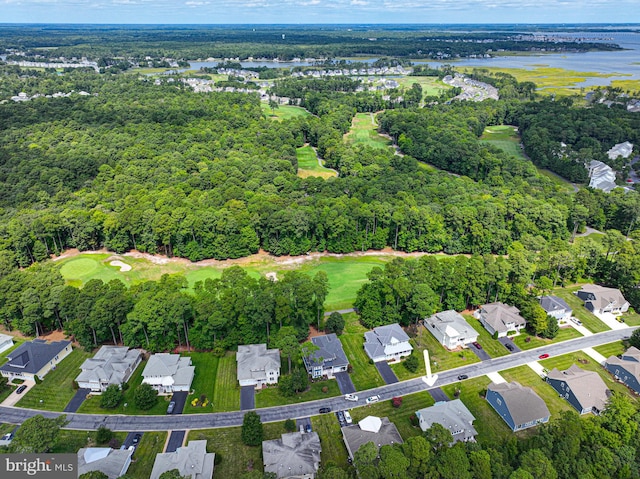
505 341
438 395
14 397
128 441
611 320
303 421
481 353
247 398
386 372
175 441
180 399
344 383
77 400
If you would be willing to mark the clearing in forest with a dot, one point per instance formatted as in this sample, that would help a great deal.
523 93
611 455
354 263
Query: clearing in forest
283 112
364 131
309 164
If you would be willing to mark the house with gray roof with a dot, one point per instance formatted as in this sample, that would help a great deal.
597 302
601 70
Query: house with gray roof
621 149
379 431
112 462
110 365
601 176
626 368
168 373
453 415
520 407
257 365
585 390
451 329
599 299
556 307
500 318
328 359
192 461
295 455
387 343
6 342
35 358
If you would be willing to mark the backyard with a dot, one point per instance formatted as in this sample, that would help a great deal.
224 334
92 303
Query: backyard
364 374
331 441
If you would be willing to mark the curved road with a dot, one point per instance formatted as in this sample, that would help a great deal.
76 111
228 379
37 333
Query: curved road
206 421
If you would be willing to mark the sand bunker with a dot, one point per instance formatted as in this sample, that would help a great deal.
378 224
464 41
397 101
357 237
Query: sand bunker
119 264
272 276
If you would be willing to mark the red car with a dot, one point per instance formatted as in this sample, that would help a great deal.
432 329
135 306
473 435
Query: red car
543 356
477 345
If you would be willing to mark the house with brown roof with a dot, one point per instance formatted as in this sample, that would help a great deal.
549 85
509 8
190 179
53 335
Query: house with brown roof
585 390
500 318
520 407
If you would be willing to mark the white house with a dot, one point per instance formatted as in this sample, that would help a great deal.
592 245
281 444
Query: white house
168 373
257 365
453 415
556 307
599 299
192 461
6 342
451 329
500 318
35 358
111 462
110 365
328 359
387 343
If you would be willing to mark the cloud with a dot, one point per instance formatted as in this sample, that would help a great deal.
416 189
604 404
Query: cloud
196 4
359 2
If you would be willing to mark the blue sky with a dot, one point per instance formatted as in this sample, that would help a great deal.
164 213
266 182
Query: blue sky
319 11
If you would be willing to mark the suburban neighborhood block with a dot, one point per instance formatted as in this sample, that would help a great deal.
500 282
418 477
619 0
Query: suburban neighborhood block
585 390
257 365
451 329
192 461
110 365
387 343
556 307
500 318
453 415
295 455
626 368
112 462
168 373
35 358
379 431
328 359
6 342
520 407
599 299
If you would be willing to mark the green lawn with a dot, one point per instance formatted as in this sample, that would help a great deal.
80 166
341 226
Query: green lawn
271 396
333 448
528 377
611 349
363 374
488 423
226 395
504 137
493 347
535 342
364 131
6 392
284 112
204 381
589 321
308 164
127 406
152 443
631 318
69 441
430 85
56 390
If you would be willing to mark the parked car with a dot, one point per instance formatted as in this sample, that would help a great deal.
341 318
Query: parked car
372 399
136 439
576 320
347 417
351 397
308 427
543 356
21 389
477 344
324 410
341 419
172 406
509 346
462 376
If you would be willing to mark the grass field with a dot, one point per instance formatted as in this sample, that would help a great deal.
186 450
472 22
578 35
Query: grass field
127 406
308 164
364 131
152 443
535 342
226 396
611 349
56 390
283 112
493 347
589 321
271 396
528 377
333 448
364 374
204 381
431 86
68 441
504 137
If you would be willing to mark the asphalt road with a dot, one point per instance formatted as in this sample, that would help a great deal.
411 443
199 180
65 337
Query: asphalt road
279 413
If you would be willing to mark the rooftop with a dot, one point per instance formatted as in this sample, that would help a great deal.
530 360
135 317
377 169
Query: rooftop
587 386
451 324
294 454
254 359
523 403
330 352
192 461
355 436
109 461
32 356
453 415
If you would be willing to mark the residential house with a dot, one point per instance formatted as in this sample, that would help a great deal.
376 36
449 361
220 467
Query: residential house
257 365
520 407
626 368
387 343
602 177
585 390
621 149
451 329
328 359
295 455
112 462
599 299
379 431
500 318
556 307
453 415
6 342
192 461
168 373
110 365
35 358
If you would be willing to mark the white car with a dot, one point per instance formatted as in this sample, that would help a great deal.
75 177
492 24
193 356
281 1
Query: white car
347 417
372 399
351 397
576 320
